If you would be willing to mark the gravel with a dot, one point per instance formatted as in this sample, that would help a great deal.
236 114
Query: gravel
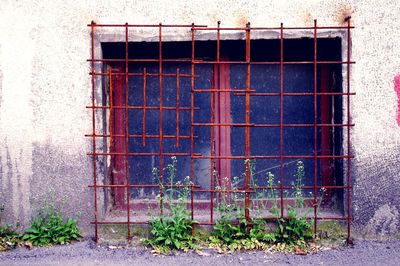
88 253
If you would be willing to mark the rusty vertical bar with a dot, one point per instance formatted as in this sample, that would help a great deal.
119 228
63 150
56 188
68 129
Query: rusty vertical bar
118 148
224 138
94 137
144 107
315 129
111 119
127 175
218 42
192 127
348 130
212 150
212 129
110 102
217 115
247 128
281 119
160 70
177 107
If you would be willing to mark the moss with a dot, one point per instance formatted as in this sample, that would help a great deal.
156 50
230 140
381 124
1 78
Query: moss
331 233
140 231
117 233
113 233
202 232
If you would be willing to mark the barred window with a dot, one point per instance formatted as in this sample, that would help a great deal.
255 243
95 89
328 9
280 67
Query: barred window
232 108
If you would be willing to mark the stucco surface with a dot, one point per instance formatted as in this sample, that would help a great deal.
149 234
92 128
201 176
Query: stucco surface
45 86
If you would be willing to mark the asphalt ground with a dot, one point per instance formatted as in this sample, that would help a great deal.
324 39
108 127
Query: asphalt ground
86 252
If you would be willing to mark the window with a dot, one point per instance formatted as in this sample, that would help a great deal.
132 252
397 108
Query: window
216 103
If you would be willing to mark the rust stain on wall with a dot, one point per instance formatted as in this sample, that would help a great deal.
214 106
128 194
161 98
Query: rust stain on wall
242 21
397 89
343 13
308 19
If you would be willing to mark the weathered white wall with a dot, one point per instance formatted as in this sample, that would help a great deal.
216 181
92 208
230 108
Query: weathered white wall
44 87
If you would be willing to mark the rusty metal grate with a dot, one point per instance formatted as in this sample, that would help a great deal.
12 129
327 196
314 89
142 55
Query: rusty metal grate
118 109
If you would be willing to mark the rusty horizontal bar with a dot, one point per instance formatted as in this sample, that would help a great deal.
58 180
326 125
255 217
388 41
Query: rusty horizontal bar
303 125
274 218
142 107
137 153
138 136
116 222
144 60
272 156
213 223
272 62
318 93
297 94
223 157
250 190
223 124
93 24
216 90
230 191
307 218
141 74
205 27
254 189
269 28
272 125
301 187
331 218
141 186
196 61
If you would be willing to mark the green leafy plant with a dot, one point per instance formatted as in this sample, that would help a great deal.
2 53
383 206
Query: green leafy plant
231 225
227 231
258 231
48 228
174 229
232 230
296 229
9 237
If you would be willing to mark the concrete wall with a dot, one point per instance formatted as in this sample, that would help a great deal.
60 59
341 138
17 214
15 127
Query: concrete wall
45 86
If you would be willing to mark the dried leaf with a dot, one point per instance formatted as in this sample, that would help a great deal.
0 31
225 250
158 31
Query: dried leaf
299 251
313 247
155 252
28 245
201 253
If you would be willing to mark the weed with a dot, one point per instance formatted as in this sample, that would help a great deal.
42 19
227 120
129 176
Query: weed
173 230
232 230
48 228
9 237
296 229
